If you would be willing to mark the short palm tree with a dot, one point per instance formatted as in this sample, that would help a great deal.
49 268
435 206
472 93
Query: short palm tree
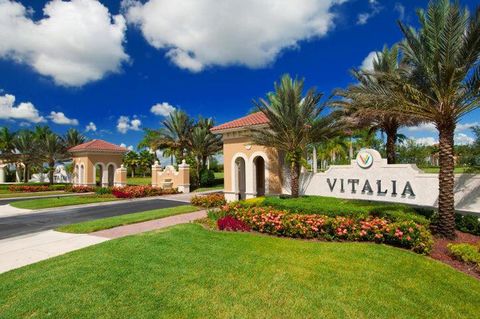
145 160
294 123
359 109
7 146
27 151
131 160
440 84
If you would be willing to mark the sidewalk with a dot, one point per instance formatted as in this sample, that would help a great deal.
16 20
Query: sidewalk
25 250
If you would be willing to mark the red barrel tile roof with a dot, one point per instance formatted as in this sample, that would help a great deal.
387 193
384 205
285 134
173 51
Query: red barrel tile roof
99 146
257 118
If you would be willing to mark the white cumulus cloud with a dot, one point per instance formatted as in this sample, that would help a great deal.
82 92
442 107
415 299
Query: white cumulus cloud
124 124
367 64
199 33
130 147
427 141
162 109
60 118
375 9
91 127
463 139
25 111
75 42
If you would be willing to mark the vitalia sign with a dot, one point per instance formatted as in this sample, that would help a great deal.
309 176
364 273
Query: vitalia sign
369 177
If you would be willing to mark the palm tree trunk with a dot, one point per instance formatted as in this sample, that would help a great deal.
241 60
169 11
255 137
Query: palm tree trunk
446 201
391 144
295 176
51 167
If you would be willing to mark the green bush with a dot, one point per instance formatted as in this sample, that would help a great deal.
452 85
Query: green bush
468 223
207 178
331 206
103 190
467 253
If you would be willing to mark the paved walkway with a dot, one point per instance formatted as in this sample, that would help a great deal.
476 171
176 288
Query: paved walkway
24 250
150 225
20 251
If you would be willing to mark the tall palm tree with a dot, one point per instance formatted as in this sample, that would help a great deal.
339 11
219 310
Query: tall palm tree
359 109
174 134
203 143
52 149
294 123
440 84
72 138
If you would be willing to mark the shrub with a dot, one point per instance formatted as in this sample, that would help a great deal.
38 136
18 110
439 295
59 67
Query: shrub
407 234
467 253
332 207
28 188
207 177
232 224
468 223
103 190
209 200
80 189
140 191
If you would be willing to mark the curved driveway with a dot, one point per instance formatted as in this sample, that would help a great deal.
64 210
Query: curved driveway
38 221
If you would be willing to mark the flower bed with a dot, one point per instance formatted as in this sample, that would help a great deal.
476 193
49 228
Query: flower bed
407 234
208 201
140 191
28 188
80 189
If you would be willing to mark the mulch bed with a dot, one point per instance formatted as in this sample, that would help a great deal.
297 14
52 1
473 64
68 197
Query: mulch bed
440 252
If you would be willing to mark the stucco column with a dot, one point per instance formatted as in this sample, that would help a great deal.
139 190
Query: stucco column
105 176
184 177
314 160
156 168
120 179
2 173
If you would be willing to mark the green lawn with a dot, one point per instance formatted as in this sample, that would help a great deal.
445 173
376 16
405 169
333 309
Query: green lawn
62 201
8 194
458 170
139 180
189 272
110 222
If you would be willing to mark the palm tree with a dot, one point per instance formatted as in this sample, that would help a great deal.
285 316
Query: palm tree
131 160
203 143
52 149
174 135
7 146
72 138
145 160
294 123
440 84
27 151
359 109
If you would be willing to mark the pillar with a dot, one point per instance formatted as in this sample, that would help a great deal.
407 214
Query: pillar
314 160
2 173
184 177
156 168
120 178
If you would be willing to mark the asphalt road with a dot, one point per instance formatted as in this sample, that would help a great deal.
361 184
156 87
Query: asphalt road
35 222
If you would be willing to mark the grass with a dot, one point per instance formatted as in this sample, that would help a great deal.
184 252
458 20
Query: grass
189 272
458 170
62 201
16 195
106 223
336 206
139 180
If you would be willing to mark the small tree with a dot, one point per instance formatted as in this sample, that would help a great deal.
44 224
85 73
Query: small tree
131 161
294 123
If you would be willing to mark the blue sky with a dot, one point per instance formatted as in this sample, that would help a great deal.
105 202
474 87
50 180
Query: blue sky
70 64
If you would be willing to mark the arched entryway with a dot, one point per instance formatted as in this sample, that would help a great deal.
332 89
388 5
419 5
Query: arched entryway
259 175
240 178
99 174
111 174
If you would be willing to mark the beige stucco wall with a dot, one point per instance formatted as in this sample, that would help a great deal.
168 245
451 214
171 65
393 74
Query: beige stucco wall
89 160
241 146
171 178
